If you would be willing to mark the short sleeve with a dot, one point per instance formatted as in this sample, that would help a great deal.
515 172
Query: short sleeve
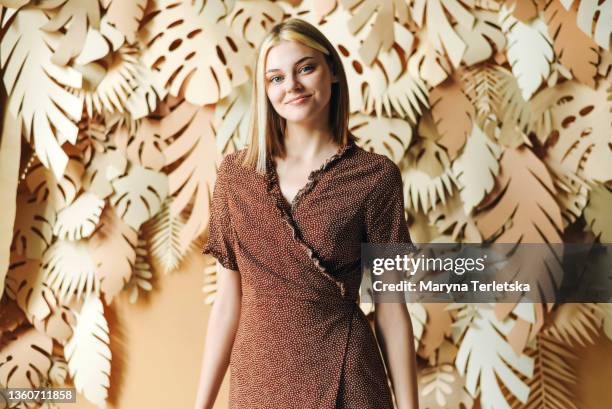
220 242
384 214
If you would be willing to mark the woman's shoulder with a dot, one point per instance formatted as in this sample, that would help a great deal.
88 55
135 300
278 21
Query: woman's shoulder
377 164
232 162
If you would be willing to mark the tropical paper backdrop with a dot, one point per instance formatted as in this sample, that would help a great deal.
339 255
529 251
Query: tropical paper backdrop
116 114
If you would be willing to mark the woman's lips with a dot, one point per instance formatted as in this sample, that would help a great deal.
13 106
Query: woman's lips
299 101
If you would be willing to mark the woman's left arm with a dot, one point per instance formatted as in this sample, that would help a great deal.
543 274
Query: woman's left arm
393 328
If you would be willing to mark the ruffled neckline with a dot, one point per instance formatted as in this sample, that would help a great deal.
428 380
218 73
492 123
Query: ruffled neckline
286 209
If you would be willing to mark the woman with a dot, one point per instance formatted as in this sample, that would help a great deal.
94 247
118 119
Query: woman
288 216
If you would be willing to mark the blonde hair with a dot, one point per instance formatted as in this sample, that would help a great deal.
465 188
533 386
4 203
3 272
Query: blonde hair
266 127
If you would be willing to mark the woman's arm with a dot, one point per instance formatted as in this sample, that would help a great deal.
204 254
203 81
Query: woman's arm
220 334
394 332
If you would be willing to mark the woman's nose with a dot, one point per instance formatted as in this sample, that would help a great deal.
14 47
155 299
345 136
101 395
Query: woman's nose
293 83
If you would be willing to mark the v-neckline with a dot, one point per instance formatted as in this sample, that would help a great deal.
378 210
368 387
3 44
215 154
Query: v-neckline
313 177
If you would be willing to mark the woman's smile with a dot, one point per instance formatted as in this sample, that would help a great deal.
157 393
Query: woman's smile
299 101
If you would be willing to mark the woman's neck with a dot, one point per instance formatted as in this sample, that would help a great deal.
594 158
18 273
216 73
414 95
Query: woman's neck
308 143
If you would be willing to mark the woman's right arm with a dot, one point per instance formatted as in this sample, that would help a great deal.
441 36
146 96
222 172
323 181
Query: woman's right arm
220 334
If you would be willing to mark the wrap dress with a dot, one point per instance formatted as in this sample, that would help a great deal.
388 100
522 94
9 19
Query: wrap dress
302 341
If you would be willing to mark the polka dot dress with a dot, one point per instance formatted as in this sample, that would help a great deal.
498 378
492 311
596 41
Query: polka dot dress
302 340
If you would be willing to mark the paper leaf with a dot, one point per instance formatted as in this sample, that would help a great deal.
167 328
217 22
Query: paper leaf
576 50
480 39
199 53
386 136
482 85
439 29
139 195
597 213
88 353
25 283
607 319
11 316
163 233
113 253
101 169
145 147
450 218
142 275
32 81
427 63
438 326
452 113
475 170
572 191
194 149
80 218
575 323
75 16
484 357
231 118
24 360
529 51
587 12
582 119
33 230
60 193
254 19
58 325
525 10
70 270
442 387
126 16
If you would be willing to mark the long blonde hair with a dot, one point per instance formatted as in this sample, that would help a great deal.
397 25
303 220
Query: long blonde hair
266 127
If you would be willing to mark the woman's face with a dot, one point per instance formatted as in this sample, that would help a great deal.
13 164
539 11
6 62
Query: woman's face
293 70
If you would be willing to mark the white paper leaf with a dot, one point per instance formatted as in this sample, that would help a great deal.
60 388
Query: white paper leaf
79 219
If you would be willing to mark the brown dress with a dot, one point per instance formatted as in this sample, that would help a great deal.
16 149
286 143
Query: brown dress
302 340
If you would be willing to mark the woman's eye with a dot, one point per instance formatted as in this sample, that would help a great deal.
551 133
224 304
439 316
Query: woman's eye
272 79
310 67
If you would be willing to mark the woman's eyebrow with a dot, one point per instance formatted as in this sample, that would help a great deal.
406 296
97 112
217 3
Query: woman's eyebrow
298 62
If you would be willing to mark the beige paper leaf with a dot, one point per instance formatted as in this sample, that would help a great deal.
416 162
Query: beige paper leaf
582 141
386 136
482 85
437 328
525 10
450 218
452 112
24 360
102 169
480 39
572 191
231 118
60 193
145 146
25 284
484 357
141 279
529 51
431 15
88 353
576 50
597 213
195 151
200 53
112 249
575 323
58 371
33 83
33 230
252 20
163 233
606 309
11 316
69 270
475 170
126 16
75 16
58 325
427 63
601 12
442 387
80 218
139 195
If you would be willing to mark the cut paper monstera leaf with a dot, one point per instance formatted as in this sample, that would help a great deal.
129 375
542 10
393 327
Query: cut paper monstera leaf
427 63
597 213
141 279
480 39
581 121
601 12
75 16
139 195
33 229
80 218
452 113
442 387
60 193
70 270
386 136
164 238
574 323
576 50
529 51
431 15
113 252
254 19
194 149
101 169
88 353
144 146
484 357
34 84
24 359
126 16
450 218
476 169
58 325
195 49
25 284
231 119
